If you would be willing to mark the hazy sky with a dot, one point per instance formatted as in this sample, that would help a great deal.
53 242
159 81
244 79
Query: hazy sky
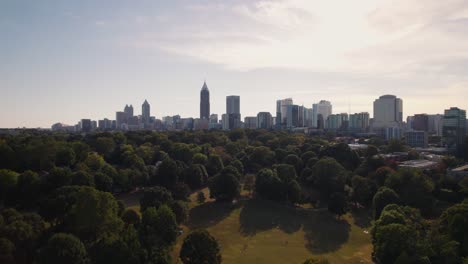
61 60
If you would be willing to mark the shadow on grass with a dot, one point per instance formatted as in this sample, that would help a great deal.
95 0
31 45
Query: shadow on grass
323 232
260 215
209 214
362 217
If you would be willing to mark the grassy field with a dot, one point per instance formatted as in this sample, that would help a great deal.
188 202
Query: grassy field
257 231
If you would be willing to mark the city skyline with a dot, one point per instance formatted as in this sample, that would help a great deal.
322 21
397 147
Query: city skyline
77 59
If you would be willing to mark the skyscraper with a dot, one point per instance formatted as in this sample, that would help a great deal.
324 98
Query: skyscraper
292 116
388 112
283 110
145 112
233 104
454 127
264 120
323 108
233 111
359 122
128 110
204 102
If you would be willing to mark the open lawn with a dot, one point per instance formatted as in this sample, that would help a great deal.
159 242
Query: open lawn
257 231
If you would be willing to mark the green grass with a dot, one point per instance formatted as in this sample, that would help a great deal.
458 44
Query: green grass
257 231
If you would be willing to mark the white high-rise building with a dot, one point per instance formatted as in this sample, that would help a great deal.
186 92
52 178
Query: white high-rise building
388 112
323 108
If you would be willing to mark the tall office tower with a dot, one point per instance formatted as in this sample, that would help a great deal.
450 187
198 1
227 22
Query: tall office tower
213 118
308 117
233 104
145 112
421 122
250 122
323 108
233 111
204 102
337 121
86 125
435 124
292 116
264 120
454 127
120 119
301 116
278 114
388 112
359 122
284 103
128 110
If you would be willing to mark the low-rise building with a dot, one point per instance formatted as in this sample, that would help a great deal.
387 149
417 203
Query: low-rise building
416 139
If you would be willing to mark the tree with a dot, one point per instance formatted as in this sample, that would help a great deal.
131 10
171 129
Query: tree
94 161
105 146
261 157
214 165
7 250
64 248
57 177
285 172
238 165
131 217
454 223
337 204
413 188
399 236
268 185
395 145
294 161
195 176
8 180
94 215
82 178
180 210
167 173
342 153
328 176
200 247
201 197
155 197
224 187
158 229
181 191
249 183
65 156
103 182
363 190
28 187
382 198
381 175
200 158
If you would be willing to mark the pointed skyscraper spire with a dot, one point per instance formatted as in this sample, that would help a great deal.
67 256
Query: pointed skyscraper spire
205 87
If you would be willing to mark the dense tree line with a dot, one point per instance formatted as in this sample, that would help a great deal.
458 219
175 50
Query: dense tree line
57 193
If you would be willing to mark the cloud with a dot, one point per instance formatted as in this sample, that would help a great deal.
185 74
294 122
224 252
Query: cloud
367 36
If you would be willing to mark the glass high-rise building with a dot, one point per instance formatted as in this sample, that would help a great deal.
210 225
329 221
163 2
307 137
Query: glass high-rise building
454 127
323 108
145 112
204 102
